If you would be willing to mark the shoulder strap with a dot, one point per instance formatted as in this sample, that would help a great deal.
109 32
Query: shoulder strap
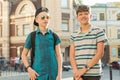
33 35
55 38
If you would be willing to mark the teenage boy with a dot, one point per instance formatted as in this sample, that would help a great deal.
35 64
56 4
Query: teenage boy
47 62
86 47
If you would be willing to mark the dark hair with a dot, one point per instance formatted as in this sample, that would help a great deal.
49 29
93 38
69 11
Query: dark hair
41 9
82 8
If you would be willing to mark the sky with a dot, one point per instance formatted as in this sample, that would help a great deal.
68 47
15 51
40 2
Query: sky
92 2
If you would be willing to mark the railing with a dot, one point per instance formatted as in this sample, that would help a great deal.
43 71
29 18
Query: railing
13 72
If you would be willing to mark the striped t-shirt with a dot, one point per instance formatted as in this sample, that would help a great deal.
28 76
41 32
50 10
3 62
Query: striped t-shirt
86 48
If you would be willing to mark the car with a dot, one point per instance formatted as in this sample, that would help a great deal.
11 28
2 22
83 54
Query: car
65 68
115 64
2 61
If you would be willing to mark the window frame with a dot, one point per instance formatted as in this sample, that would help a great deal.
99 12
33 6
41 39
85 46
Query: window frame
118 33
65 21
118 16
66 4
26 27
102 16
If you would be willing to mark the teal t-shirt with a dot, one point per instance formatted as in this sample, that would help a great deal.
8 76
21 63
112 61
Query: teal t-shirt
45 62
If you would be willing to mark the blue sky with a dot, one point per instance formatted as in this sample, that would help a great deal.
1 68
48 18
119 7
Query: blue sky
92 2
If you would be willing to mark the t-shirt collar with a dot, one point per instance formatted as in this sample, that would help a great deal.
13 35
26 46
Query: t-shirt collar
79 30
38 31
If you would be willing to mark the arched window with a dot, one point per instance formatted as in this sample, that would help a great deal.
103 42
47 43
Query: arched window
26 9
24 14
118 16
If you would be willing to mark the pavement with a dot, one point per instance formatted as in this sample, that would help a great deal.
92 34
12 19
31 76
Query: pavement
67 75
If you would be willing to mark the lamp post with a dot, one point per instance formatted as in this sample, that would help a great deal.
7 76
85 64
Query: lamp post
110 66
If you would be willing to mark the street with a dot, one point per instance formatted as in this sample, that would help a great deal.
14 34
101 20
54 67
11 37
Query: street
67 75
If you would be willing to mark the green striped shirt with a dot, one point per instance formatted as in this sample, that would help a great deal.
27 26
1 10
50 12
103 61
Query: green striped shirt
86 48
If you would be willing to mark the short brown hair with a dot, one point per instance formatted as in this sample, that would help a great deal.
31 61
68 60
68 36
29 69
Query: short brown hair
82 8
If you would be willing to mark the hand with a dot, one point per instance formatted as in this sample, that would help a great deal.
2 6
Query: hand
33 74
79 73
76 75
80 78
58 77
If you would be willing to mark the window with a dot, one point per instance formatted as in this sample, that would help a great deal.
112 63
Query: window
65 25
102 16
0 31
26 9
118 33
18 30
26 29
94 16
64 3
118 52
118 16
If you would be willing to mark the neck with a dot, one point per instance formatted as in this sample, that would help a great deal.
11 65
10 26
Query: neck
85 28
43 29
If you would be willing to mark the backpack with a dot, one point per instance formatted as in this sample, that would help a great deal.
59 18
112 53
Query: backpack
33 35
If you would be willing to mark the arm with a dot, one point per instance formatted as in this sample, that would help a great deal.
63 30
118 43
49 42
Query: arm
72 57
73 62
59 60
98 56
24 57
31 72
95 59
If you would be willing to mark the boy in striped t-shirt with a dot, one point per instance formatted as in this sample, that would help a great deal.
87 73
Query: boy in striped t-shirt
86 47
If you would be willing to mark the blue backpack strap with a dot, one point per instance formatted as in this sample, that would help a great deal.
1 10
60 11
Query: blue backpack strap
33 35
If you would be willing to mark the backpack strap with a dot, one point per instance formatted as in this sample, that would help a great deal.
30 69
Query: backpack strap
55 38
33 35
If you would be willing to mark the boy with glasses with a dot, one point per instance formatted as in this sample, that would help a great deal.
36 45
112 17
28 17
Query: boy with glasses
47 62
87 47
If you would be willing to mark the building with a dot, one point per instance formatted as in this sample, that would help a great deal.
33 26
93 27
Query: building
107 16
16 22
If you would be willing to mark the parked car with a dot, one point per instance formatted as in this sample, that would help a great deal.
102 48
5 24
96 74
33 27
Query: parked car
3 63
2 59
65 68
115 64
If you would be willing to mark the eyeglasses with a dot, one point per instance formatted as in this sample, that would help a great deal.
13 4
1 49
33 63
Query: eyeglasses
43 17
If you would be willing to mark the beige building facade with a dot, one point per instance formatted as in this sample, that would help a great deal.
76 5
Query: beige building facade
107 16
16 22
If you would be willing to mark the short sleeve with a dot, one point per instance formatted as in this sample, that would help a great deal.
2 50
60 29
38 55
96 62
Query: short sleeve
101 36
28 44
57 40
71 39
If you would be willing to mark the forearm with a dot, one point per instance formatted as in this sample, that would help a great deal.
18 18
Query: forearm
25 60
98 55
73 64
95 59
24 57
72 58
59 61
